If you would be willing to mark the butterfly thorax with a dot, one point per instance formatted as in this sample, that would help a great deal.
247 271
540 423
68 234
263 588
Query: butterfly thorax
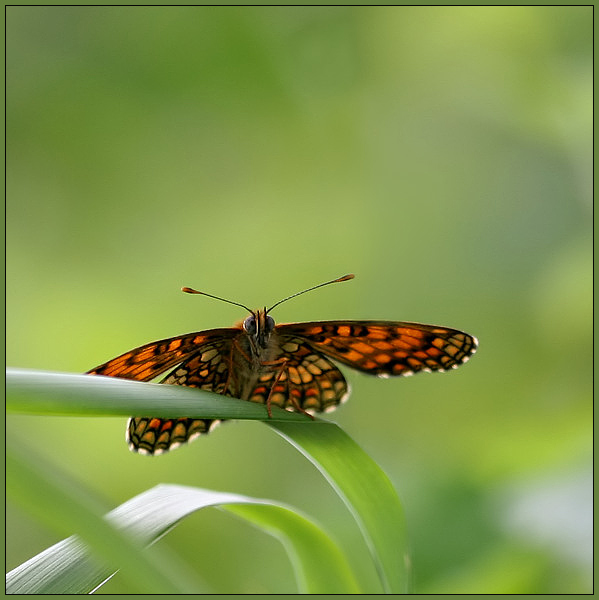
255 354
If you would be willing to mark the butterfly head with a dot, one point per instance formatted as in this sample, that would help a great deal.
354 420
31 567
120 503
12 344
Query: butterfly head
259 326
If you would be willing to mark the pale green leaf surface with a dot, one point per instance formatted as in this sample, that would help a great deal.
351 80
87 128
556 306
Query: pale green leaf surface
365 489
320 567
65 506
67 568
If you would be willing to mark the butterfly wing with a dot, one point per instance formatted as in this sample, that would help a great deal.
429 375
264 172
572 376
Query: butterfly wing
201 360
303 379
386 348
148 361
151 435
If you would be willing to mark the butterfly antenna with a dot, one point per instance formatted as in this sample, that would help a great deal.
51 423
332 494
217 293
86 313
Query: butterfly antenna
189 290
340 279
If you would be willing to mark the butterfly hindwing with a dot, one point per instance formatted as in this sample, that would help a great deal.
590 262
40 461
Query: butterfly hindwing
151 435
303 379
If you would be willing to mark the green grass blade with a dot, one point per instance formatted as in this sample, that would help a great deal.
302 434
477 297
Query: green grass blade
67 568
319 564
365 489
65 506
49 393
357 479
320 567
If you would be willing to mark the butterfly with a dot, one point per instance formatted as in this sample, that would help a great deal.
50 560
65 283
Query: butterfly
290 365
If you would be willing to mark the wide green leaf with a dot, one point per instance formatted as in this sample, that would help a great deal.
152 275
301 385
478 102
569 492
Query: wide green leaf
116 542
65 506
320 566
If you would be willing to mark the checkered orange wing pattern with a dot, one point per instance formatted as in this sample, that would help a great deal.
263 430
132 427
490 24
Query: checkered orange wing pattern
147 362
151 435
289 365
201 360
307 381
386 348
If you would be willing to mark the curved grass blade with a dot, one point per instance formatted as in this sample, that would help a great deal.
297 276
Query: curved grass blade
319 564
366 491
117 540
361 484
50 393
320 567
64 506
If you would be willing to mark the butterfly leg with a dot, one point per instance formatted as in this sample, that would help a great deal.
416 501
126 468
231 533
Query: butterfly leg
283 361
230 373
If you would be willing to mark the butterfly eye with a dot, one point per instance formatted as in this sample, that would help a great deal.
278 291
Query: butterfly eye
250 325
270 323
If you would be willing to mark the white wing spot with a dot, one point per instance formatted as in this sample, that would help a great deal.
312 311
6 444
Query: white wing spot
346 395
212 426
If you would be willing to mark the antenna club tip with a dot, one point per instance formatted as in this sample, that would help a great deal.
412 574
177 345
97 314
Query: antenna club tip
346 277
188 290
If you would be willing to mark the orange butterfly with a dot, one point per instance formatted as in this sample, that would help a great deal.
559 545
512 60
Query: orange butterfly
287 365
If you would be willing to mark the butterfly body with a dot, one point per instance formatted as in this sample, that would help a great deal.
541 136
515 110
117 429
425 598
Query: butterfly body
288 365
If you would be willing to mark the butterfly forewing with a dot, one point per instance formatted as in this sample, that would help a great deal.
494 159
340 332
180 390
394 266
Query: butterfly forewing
386 348
147 362
207 368
201 360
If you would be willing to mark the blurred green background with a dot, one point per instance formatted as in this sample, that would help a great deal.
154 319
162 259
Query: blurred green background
441 154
